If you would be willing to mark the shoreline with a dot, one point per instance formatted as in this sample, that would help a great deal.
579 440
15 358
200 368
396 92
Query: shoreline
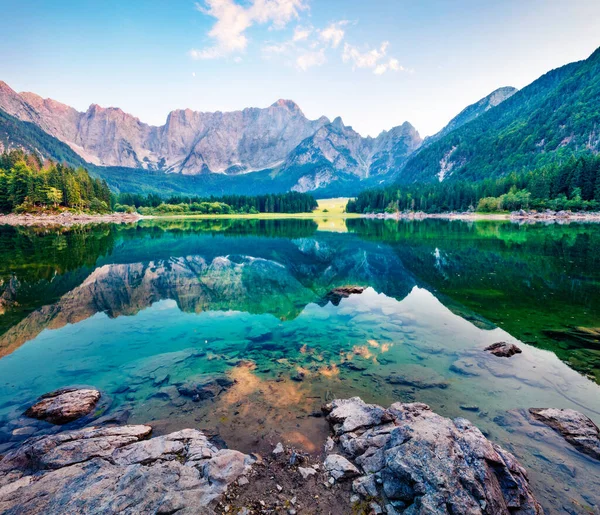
516 217
66 219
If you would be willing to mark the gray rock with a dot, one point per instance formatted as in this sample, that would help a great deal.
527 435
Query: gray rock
352 414
575 427
419 461
306 472
64 405
339 467
365 486
117 470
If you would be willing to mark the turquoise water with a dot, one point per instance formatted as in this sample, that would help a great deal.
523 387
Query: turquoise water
141 312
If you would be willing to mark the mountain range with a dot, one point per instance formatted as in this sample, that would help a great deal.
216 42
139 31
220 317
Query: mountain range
274 149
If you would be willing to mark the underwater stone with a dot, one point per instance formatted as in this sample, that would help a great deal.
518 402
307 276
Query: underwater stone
575 427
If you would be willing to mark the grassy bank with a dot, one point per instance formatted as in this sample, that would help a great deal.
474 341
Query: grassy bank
327 209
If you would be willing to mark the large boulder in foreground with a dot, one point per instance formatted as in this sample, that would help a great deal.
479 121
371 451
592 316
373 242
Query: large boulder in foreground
419 462
117 470
65 405
575 427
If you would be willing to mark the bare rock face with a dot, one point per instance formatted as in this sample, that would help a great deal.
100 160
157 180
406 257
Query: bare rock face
277 137
190 142
503 349
340 468
343 150
418 462
117 470
575 427
65 405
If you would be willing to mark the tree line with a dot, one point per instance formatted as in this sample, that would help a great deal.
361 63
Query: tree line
291 202
573 185
28 184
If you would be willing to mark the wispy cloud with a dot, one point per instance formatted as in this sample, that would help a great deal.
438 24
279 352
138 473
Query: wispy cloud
302 33
233 19
307 47
375 59
333 33
307 60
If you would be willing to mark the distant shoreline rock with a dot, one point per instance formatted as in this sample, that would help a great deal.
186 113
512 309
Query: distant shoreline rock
516 216
66 219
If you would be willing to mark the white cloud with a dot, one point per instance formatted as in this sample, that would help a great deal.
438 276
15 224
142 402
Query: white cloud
307 60
234 19
275 48
375 59
301 34
333 34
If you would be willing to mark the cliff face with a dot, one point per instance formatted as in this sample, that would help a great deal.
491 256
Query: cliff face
190 142
337 149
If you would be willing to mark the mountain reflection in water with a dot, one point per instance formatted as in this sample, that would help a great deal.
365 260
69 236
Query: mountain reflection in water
143 311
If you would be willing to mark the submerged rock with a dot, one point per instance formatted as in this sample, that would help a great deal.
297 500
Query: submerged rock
64 405
417 376
420 462
117 470
503 349
575 427
207 388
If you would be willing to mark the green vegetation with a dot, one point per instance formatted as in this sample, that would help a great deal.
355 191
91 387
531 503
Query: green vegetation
574 185
153 204
546 122
15 133
29 185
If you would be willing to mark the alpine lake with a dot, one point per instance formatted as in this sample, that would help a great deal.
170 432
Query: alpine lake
245 307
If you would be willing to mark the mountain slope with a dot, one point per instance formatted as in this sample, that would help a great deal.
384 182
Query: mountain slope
190 142
16 134
473 111
337 152
279 145
553 117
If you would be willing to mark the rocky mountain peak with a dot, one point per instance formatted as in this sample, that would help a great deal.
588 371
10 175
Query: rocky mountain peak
337 123
193 142
290 105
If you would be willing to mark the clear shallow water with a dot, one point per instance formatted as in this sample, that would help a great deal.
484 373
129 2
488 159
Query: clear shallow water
139 311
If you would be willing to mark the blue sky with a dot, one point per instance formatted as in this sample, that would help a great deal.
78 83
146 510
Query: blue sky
375 64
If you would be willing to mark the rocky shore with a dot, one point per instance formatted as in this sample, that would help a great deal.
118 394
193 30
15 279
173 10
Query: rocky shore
403 459
521 216
66 219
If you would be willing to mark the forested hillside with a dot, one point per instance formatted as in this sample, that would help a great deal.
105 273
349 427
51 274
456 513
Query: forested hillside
28 184
556 116
574 185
